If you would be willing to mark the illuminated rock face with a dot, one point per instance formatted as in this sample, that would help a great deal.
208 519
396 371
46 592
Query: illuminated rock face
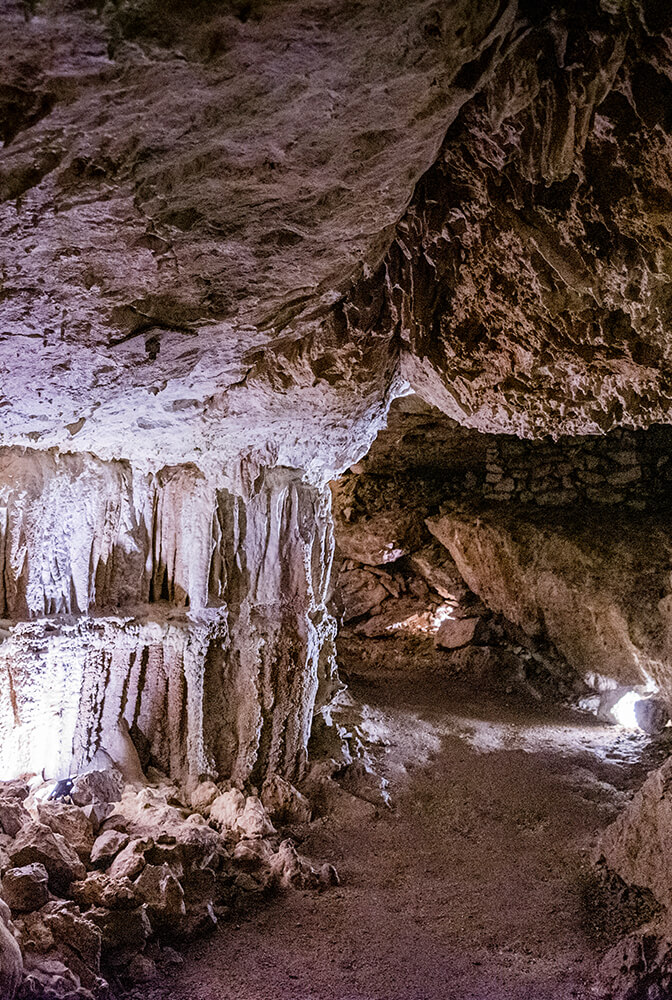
228 238
195 615
598 589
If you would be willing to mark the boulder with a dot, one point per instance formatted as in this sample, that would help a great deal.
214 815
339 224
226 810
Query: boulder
635 845
361 591
11 962
254 821
437 568
72 823
203 795
226 809
97 786
360 780
252 855
60 925
15 789
99 889
122 930
38 844
107 846
652 715
13 815
131 860
141 969
26 889
382 537
456 632
163 895
283 802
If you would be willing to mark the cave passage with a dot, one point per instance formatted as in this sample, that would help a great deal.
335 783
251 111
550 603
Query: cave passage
488 735
478 883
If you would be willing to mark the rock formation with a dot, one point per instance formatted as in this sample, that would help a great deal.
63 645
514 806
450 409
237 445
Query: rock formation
231 235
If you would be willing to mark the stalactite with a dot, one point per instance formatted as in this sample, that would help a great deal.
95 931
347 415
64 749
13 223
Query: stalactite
195 614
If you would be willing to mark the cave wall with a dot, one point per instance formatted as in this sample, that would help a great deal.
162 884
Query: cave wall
195 614
623 467
227 242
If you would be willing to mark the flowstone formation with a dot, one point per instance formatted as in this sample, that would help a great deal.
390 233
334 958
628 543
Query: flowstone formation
230 235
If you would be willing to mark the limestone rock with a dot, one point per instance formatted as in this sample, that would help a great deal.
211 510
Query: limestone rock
362 781
284 803
652 714
102 890
634 845
599 593
12 815
227 808
289 869
455 633
203 795
163 895
435 565
107 846
38 844
71 823
121 930
16 789
97 786
254 822
25 889
131 859
11 962
382 538
360 592
60 924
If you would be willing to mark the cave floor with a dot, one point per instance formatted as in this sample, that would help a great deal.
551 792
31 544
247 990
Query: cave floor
478 884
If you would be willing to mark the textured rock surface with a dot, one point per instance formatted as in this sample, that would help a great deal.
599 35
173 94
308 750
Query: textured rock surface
227 239
597 589
637 845
219 632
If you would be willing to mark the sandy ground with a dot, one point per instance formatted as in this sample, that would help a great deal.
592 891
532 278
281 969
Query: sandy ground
473 887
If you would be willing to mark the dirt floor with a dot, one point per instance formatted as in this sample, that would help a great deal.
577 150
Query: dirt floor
476 886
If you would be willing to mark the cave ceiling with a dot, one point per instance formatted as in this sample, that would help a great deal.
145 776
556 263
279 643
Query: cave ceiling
238 229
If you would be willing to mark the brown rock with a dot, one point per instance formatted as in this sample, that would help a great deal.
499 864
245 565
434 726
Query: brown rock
38 844
131 860
454 633
361 592
107 846
121 929
227 808
97 786
283 802
12 815
25 889
11 962
203 795
72 823
163 895
99 889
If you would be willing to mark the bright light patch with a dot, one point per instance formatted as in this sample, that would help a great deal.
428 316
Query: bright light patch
624 710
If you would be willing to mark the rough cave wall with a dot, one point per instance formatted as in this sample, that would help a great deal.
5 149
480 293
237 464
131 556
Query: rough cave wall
196 615
623 467
230 240
422 543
